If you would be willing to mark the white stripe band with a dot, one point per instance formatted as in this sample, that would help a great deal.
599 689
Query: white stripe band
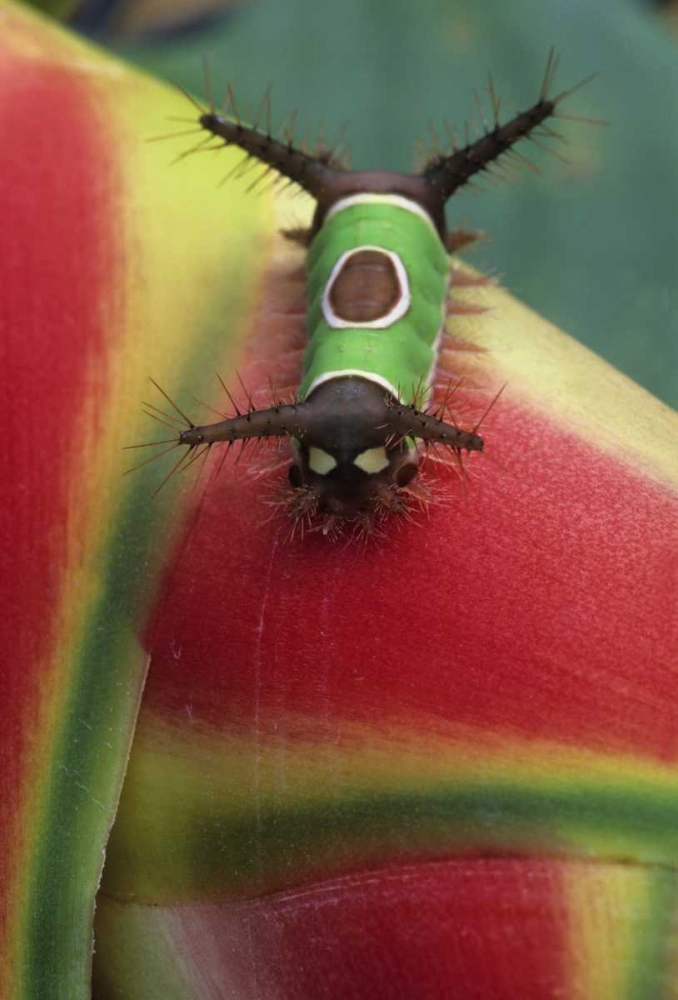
356 373
397 200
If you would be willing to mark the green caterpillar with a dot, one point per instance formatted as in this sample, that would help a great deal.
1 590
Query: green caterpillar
378 280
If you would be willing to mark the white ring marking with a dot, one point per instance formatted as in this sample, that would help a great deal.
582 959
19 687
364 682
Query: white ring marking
381 322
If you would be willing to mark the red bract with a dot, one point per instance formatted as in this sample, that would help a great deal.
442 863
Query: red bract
94 232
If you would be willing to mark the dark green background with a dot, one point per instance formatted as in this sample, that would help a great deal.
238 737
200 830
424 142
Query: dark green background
593 248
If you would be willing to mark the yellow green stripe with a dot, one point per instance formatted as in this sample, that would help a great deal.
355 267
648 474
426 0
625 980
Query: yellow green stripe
565 380
368 799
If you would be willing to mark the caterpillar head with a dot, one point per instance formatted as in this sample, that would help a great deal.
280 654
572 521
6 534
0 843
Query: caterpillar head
350 464
355 452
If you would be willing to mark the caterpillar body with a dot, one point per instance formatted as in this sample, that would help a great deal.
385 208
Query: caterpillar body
378 271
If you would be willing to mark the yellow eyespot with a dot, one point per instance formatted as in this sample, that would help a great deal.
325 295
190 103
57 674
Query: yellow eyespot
320 461
372 461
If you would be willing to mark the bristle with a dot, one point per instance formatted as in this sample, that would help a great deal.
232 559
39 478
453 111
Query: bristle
548 150
175 468
199 147
466 279
198 107
457 307
264 109
175 135
551 67
206 406
495 102
207 84
165 423
149 444
523 160
152 458
161 413
171 402
300 235
481 111
488 409
229 104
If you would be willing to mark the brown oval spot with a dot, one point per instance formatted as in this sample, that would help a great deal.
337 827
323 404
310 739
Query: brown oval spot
366 288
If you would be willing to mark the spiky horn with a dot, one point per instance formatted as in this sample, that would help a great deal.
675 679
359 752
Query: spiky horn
310 172
288 420
446 174
408 421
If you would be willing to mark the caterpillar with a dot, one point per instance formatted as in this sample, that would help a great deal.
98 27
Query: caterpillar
378 276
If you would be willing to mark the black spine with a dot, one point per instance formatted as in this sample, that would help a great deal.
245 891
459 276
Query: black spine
288 420
311 173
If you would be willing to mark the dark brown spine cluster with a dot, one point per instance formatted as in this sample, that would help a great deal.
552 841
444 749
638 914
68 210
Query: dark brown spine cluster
408 421
448 173
288 419
308 171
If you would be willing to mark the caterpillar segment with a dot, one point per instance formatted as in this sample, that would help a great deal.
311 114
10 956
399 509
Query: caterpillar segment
378 280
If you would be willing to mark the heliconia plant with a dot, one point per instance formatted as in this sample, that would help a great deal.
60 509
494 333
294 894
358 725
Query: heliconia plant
439 762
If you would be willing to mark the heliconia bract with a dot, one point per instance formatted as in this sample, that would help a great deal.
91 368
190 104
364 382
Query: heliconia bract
440 763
